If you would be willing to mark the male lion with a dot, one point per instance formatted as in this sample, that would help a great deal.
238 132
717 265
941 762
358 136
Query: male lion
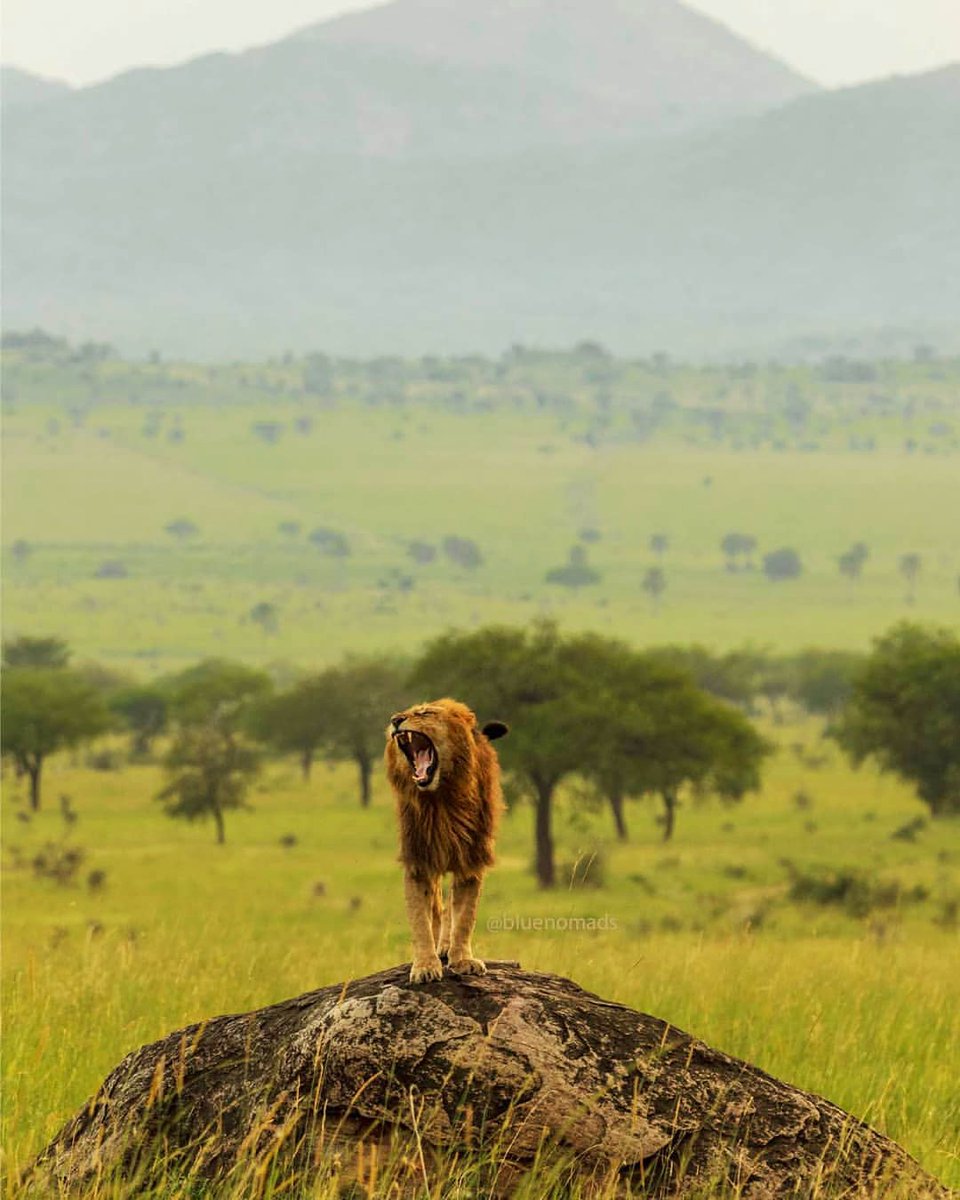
446 779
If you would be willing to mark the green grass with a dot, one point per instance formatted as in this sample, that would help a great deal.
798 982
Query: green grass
862 1010
522 482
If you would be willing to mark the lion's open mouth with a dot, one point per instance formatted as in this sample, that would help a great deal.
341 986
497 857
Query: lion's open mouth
420 754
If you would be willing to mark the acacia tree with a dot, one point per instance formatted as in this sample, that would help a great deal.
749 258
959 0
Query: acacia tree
210 768
36 652
215 687
298 720
362 694
43 710
904 712
143 710
539 684
662 735
654 584
910 565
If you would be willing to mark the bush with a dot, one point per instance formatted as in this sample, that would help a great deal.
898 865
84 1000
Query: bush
856 893
58 862
782 564
587 870
113 568
330 542
463 551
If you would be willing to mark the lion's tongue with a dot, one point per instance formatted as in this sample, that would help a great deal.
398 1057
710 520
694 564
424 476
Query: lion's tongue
422 762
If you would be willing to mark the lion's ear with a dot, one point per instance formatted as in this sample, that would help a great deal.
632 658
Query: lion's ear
495 729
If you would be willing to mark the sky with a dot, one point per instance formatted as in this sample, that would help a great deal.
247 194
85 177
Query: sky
836 42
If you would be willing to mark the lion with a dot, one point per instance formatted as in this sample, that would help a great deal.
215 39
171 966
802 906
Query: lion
446 779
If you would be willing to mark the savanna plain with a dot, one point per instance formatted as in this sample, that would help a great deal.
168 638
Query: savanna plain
277 513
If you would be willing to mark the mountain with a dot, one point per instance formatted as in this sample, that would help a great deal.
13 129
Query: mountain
19 88
656 60
427 78
341 192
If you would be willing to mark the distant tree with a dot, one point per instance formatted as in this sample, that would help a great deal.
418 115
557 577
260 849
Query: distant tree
662 735
910 565
143 711
363 693
268 431
782 564
209 769
182 529
21 550
577 573
297 720
904 711
265 615
215 688
289 528
852 561
733 676
107 681
590 535
44 709
422 552
36 652
112 568
823 679
463 551
318 375
654 584
736 546
775 680
659 544
330 542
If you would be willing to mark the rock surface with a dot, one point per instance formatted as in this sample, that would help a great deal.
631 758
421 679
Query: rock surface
502 1069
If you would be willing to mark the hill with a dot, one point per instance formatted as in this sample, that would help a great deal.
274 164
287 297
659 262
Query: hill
20 89
661 63
184 221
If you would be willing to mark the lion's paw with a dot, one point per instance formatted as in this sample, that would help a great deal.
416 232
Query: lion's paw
427 971
468 966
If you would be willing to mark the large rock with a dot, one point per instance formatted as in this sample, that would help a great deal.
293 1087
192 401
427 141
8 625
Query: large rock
513 1071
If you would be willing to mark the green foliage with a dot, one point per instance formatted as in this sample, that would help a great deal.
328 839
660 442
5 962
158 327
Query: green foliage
852 561
215 688
464 552
144 712
341 713
576 573
823 679
782 564
209 769
43 710
36 652
330 542
592 706
182 529
654 584
904 711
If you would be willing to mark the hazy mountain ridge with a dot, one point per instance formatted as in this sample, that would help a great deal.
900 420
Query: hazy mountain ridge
229 205
657 59
19 88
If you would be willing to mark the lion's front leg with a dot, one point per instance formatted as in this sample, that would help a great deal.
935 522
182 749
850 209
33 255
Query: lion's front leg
443 927
420 893
465 897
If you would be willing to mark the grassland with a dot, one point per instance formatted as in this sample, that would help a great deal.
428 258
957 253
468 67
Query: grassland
858 1005
854 998
520 456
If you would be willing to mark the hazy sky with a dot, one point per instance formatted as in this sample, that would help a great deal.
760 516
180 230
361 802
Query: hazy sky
834 41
